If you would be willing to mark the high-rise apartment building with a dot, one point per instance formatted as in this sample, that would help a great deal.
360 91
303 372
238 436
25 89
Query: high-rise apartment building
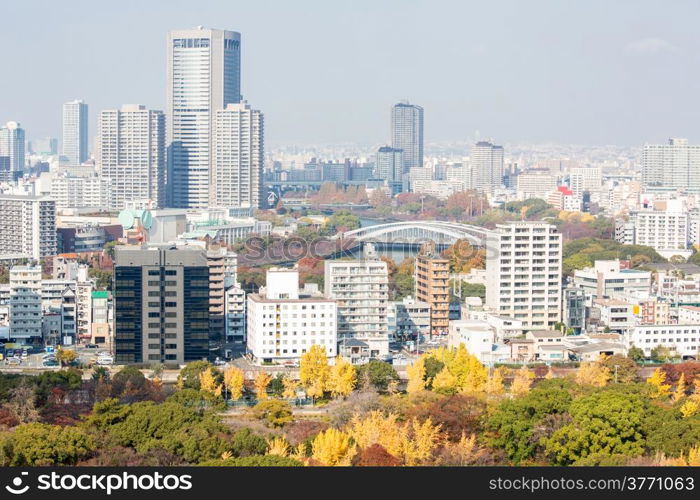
673 165
74 147
161 304
524 273
131 153
27 226
25 303
12 145
238 154
407 133
361 289
432 276
203 75
487 166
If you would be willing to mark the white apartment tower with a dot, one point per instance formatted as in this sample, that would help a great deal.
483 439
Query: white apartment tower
25 303
238 153
203 75
27 226
524 273
673 165
74 147
12 145
407 133
131 153
361 289
487 166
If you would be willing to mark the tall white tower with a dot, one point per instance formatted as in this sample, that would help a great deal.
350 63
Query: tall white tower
203 75
131 153
487 166
238 152
75 122
12 145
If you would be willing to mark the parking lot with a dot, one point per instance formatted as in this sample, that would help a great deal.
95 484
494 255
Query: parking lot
40 357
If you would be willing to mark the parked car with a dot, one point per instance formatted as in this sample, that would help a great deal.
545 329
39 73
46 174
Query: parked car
10 353
13 361
91 346
105 360
49 362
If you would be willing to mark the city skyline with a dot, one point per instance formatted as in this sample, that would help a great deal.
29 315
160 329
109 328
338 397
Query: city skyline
584 89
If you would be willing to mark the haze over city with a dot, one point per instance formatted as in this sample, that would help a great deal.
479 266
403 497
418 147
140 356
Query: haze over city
324 72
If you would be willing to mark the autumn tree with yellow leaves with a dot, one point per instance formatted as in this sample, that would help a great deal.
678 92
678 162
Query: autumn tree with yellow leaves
595 374
290 387
208 383
657 381
333 447
233 381
314 372
262 380
681 387
522 382
462 372
494 384
413 441
416 376
342 378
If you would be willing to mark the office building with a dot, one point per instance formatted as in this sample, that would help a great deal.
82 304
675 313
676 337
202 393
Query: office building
432 276
674 165
131 154
238 154
25 304
389 164
12 146
27 227
361 289
74 147
487 166
161 304
407 133
683 340
524 273
612 278
203 75
284 323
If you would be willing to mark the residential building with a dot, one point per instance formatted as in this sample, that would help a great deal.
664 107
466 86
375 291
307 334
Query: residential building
524 272
100 322
684 340
12 146
74 145
203 75
407 133
131 153
161 304
563 198
656 312
548 345
70 191
487 166
361 290
674 165
238 154
25 304
27 226
235 306
618 315
688 315
283 323
411 318
389 164
222 269
536 183
477 336
432 278
665 228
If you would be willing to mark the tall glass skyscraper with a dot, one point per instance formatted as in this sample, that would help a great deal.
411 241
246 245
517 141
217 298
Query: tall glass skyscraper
12 146
407 133
203 76
74 147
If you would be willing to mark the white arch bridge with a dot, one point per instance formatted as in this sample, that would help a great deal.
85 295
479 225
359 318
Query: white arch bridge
417 232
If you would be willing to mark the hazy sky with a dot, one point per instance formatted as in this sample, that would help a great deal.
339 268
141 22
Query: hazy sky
327 71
